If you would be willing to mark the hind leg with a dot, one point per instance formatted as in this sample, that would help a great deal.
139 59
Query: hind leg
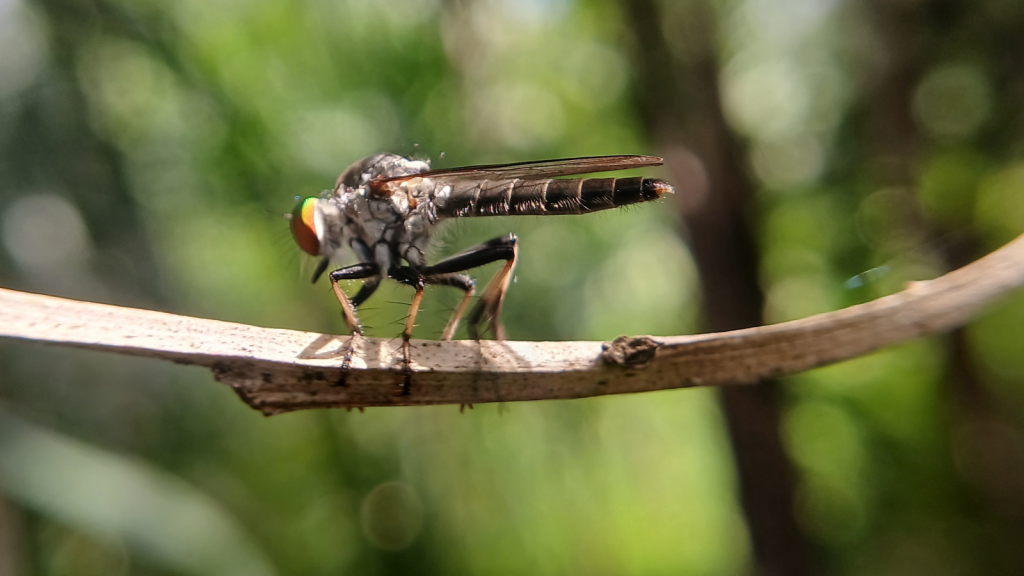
462 282
489 308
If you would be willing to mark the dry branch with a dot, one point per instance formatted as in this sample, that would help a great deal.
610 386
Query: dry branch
282 370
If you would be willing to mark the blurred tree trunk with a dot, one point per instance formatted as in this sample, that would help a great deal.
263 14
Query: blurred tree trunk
12 540
677 84
913 38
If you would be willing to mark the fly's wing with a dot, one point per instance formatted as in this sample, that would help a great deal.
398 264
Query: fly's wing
529 188
533 170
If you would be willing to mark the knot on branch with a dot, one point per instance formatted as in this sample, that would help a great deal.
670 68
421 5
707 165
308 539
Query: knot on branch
629 350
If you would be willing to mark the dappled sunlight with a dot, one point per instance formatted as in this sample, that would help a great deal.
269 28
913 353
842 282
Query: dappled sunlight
597 466
320 137
154 514
650 281
149 152
827 443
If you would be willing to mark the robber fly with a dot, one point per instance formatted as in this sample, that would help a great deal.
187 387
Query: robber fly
383 208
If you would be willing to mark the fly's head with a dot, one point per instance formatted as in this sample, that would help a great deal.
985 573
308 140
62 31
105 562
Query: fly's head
308 225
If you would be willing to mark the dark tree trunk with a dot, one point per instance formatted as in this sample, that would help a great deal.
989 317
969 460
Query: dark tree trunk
679 99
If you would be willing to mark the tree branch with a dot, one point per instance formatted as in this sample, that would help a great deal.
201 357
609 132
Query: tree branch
282 370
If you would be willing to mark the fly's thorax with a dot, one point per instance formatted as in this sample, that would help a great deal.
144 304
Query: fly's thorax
416 224
441 196
421 194
417 188
359 204
381 166
379 222
373 230
352 202
416 237
391 209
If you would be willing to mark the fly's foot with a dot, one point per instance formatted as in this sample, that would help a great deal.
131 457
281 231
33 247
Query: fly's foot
485 313
462 407
406 367
349 348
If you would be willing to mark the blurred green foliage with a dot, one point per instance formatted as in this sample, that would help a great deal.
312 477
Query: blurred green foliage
149 150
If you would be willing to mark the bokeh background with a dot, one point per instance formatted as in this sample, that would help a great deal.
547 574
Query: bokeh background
825 152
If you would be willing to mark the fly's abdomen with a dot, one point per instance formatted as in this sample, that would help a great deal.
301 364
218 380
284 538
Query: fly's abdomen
546 197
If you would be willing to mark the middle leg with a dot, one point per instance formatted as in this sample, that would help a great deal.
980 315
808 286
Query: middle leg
410 276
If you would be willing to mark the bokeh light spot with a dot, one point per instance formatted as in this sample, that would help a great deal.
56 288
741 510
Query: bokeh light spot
594 74
651 284
823 438
798 297
887 219
326 139
1000 205
947 186
44 231
22 48
953 101
519 115
392 516
789 163
827 443
765 99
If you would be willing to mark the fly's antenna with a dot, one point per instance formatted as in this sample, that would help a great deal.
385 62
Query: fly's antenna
287 215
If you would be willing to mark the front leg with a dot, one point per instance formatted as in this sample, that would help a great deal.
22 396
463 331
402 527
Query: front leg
354 272
348 308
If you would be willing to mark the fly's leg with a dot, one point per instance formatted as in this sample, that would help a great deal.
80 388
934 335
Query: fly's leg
489 307
466 284
410 276
354 272
445 272
462 282
348 307
365 291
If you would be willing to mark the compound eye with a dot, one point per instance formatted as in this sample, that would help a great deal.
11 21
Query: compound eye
304 226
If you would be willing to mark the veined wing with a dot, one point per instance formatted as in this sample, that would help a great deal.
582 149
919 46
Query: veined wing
533 170
529 188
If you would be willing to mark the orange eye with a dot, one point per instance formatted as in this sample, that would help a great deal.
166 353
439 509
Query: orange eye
304 226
